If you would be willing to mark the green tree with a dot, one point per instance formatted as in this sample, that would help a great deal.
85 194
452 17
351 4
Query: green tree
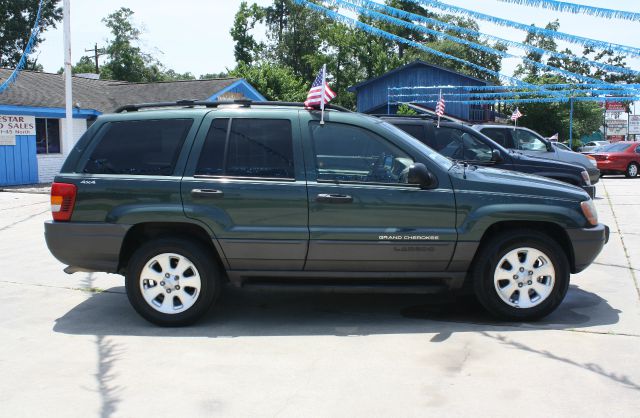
246 47
207 76
171 75
126 61
17 18
84 65
275 82
549 118
405 110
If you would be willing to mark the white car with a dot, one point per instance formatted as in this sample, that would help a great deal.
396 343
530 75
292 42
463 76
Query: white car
590 146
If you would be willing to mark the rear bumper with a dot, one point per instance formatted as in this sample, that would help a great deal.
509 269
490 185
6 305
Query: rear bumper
587 244
90 246
611 165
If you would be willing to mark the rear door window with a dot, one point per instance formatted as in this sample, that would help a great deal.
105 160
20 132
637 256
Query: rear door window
254 148
458 144
527 141
501 136
140 147
416 131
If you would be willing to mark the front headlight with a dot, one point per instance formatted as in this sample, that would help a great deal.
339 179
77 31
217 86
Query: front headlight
586 178
589 211
592 161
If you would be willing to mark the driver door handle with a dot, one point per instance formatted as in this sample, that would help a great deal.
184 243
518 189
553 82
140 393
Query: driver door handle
334 198
210 193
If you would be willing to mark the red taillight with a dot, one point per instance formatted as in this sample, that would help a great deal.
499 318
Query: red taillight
601 157
63 198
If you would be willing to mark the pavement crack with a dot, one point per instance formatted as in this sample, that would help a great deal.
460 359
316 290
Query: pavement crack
80 289
4 228
624 246
615 265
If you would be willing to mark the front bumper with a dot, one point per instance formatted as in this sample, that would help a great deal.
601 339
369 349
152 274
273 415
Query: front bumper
591 190
587 244
594 174
90 246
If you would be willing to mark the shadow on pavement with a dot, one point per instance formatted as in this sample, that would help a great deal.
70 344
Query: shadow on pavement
251 313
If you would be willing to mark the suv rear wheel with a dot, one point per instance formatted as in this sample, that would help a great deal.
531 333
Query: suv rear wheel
172 282
521 275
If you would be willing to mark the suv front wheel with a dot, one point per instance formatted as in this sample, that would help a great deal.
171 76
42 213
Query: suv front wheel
172 282
521 275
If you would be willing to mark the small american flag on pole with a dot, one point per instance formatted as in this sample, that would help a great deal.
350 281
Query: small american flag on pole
320 93
515 116
440 108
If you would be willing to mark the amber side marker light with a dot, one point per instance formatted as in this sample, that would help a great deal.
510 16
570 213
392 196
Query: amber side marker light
589 211
63 199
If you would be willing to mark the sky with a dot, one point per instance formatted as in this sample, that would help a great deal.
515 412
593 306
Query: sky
193 35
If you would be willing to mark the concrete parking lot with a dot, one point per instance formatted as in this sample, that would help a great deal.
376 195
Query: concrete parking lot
71 345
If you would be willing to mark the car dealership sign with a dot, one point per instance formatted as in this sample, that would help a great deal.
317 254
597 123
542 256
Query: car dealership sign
616 122
11 126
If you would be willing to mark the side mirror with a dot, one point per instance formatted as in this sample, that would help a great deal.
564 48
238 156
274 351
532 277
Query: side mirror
550 147
496 156
420 175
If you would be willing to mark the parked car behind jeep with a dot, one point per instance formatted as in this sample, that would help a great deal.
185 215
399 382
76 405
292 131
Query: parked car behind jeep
462 143
621 157
531 143
185 199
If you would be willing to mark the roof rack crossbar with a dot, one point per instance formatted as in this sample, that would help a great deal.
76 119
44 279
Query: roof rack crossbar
241 102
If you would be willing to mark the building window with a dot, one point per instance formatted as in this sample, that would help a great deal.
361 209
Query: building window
48 136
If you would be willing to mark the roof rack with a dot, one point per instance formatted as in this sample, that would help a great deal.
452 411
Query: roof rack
422 116
241 102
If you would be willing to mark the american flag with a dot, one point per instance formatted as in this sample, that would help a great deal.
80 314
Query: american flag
440 106
516 115
320 93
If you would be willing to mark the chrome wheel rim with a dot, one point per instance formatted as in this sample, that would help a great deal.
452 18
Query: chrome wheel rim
524 277
170 283
633 170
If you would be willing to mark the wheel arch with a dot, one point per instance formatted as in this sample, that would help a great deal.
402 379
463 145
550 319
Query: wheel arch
553 230
146 231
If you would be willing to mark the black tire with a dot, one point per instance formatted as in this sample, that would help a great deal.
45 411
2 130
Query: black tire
632 170
486 263
205 265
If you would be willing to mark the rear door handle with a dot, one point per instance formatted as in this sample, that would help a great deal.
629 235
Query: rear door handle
334 198
211 193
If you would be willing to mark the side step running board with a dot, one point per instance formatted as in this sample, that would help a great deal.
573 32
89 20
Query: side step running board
409 289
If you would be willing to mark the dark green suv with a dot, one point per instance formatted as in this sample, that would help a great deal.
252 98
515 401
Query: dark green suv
181 198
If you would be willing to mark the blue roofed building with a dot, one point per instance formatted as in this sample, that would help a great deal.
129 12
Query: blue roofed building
406 84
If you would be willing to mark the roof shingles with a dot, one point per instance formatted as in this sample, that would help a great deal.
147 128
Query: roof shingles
47 90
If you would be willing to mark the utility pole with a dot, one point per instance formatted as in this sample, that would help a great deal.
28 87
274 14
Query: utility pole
68 132
96 53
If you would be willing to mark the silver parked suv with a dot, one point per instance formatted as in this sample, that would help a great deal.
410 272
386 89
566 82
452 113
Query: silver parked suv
532 143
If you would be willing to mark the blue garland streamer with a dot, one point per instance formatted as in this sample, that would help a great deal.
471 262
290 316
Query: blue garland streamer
474 45
563 6
616 87
529 48
377 32
500 95
586 42
27 51
534 100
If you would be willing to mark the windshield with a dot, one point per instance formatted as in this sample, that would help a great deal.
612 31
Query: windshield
442 161
613 147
